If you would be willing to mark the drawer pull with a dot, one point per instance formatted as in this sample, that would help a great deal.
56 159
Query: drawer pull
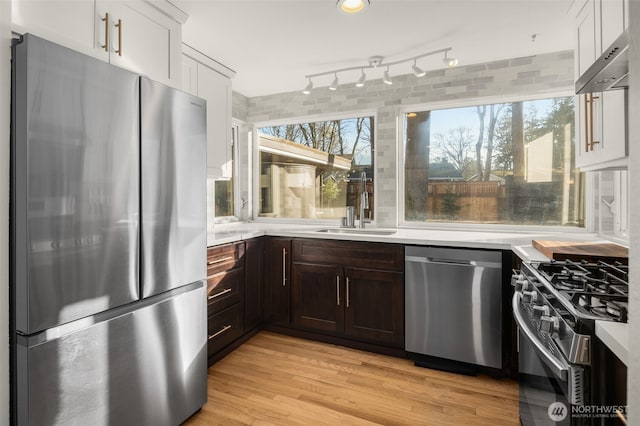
222 259
217 333
213 296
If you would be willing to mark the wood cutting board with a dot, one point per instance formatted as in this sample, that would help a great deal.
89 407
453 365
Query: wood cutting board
589 251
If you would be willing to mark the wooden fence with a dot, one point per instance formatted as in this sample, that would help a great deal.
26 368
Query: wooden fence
466 201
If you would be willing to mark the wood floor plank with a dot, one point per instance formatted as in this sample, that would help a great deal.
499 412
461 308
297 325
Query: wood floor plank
280 380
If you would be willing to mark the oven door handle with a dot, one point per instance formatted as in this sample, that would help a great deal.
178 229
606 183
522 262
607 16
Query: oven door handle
559 367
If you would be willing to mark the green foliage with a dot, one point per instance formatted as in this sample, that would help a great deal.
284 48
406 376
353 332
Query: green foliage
330 189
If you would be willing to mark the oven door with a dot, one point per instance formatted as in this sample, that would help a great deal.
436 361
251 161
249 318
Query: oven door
549 386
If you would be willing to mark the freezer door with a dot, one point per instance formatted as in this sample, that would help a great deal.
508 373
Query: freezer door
174 212
147 365
75 185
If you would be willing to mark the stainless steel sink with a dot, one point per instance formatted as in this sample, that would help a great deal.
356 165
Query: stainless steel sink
356 231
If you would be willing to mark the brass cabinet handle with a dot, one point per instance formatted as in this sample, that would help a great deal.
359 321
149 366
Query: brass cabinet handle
347 292
105 46
119 26
284 267
338 290
213 296
217 333
222 259
587 101
592 141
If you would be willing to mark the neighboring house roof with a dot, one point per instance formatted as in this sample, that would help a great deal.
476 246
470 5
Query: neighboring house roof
492 178
300 153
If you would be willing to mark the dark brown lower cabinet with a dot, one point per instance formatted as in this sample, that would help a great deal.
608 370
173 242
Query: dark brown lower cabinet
277 283
374 307
254 272
338 299
317 297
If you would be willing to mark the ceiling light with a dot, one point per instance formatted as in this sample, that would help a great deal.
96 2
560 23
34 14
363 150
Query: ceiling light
361 80
417 71
451 62
352 6
308 88
334 83
386 78
376 62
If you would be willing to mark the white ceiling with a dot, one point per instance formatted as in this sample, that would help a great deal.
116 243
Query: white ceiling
273 44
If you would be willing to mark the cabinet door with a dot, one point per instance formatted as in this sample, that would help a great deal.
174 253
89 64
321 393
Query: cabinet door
216 89
72 23
317 300
254 263
189 75
603 120
612 21
374 303
587 44
144 40
277 281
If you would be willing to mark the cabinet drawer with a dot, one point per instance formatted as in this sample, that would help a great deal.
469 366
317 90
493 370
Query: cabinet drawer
224 289
224 257
350 253
223 328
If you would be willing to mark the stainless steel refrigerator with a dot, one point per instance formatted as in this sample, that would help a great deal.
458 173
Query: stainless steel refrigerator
108 243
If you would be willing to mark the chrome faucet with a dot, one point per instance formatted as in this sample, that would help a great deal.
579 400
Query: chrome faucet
364 197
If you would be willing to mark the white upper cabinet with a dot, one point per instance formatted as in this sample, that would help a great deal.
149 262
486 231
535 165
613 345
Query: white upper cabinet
211 81
601 121
144 37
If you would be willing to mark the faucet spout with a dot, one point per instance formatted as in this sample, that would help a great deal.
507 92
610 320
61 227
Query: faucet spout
364 197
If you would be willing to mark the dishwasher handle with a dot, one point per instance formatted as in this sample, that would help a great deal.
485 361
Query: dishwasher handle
455 262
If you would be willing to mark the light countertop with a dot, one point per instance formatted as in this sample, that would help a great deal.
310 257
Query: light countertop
615 336
227 233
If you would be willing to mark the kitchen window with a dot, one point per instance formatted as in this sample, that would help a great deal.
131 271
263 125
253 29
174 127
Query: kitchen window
223 188
314 170
506 163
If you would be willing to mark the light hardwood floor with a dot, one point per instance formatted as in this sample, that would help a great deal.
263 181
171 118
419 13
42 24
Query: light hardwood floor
279 380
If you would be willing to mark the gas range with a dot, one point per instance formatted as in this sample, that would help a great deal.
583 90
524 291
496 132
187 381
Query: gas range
584 291
556 305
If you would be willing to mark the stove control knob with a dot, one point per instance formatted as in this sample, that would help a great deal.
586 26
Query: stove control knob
521 285
549 324
529 297
541 311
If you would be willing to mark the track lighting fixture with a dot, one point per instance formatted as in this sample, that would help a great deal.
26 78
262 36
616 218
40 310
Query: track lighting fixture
386 78
375 62
334 83
350 7
308 88
361 80
417 71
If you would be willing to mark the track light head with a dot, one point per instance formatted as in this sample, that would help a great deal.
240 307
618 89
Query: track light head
334 83
308 88
350 7
450 62
386 77
417 71
361 80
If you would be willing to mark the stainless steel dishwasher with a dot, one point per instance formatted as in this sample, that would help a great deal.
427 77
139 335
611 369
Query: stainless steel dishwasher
453 304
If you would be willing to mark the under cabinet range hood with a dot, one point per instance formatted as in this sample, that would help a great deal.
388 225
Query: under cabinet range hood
610 71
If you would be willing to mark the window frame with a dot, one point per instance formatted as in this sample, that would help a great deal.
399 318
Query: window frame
255 166
485 227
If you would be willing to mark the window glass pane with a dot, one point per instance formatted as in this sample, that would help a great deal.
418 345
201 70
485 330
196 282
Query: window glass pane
223 190
315 170
508 163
